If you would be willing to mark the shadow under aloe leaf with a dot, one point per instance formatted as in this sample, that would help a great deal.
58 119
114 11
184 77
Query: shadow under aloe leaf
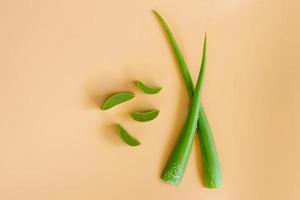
110 131
95 95
95 99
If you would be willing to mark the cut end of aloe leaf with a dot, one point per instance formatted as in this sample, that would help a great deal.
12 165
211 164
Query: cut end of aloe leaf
172 174
213 184
212 178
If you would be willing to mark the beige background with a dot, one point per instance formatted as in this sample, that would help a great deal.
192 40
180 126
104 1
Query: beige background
59 59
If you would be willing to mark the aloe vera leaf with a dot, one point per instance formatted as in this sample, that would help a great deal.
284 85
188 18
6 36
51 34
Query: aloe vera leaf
177 162
212 170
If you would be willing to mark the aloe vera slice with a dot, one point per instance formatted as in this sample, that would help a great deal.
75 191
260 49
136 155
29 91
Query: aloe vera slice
126 137
147 89
145 116
116 99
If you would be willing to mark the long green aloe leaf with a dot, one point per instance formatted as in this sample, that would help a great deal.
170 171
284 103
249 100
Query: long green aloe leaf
212 169
177 162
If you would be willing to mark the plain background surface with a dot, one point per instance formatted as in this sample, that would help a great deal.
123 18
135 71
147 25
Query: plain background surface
59 60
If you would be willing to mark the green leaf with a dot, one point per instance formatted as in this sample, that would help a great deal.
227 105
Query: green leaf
179 157
212 170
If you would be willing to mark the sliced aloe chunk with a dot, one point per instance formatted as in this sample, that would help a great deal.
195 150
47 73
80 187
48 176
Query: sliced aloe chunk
126 137
116 99
147 89
145 116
